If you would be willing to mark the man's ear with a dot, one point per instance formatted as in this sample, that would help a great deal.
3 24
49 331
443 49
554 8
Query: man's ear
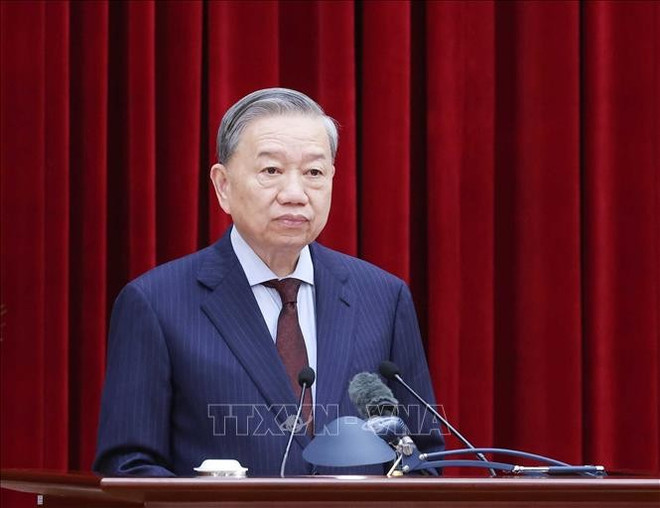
220 179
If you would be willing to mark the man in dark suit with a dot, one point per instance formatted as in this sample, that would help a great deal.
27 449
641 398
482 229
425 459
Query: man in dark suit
203 353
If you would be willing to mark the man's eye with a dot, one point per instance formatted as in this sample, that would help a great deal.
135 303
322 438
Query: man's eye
315 172
270 171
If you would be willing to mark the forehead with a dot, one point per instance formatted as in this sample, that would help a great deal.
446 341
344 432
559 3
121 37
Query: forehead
290 134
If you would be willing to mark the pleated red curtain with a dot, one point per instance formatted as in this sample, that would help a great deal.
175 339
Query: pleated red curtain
500 156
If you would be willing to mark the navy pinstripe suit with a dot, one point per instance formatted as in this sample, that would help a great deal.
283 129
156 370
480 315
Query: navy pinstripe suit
193 372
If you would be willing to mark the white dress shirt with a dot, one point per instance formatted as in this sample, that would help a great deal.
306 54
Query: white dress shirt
268 299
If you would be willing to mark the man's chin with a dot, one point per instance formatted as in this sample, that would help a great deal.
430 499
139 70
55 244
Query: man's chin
293 242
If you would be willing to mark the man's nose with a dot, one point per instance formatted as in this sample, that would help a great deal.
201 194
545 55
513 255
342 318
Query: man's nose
293 189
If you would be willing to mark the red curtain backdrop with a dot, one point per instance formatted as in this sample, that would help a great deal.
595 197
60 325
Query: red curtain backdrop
501 157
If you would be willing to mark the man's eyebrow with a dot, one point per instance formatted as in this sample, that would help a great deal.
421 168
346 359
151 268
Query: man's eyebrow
313 156
270 153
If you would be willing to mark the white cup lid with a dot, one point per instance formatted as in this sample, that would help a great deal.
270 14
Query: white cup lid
220 466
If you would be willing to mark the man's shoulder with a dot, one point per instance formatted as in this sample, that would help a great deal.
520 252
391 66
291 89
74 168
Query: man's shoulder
352 267
174 273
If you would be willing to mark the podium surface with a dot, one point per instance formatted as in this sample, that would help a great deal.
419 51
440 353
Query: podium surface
85 489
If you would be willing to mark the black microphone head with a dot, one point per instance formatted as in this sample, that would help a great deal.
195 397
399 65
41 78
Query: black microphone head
306 376
371 396
388 370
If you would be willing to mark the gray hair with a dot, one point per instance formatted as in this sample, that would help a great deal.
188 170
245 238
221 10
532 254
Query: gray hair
264 103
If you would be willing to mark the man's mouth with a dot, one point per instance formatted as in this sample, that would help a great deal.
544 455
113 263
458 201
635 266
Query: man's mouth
292 220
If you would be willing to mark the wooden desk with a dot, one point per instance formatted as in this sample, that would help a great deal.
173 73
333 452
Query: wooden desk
79 489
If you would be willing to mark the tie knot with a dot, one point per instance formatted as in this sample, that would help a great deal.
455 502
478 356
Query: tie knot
287 289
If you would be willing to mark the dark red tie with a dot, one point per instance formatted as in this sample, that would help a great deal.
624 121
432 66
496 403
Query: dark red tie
290 342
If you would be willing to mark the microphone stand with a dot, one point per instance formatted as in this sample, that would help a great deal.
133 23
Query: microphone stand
449 426
552 467
306 378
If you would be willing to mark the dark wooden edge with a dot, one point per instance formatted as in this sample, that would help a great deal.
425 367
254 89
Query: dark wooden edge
383 489
75 485
136 491
51 476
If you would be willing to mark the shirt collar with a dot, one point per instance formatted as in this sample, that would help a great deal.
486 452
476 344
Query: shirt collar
257 272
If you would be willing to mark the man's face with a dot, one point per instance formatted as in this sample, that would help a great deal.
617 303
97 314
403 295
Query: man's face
277 185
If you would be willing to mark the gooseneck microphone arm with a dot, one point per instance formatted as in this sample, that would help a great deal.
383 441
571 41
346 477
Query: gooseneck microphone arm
390 371
306 379
552 466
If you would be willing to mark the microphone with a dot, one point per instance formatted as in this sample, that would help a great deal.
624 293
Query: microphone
306 378
390 371
371 396
376 403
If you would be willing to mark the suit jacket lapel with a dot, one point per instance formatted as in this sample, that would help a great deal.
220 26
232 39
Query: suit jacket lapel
335 316
233 310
